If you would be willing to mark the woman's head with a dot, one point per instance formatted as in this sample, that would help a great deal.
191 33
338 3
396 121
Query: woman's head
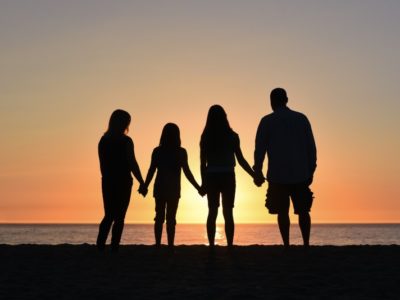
119 122
170 136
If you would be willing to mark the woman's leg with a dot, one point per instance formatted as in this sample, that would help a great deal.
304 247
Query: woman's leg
105 225
159 220
122 202
172 207
104 229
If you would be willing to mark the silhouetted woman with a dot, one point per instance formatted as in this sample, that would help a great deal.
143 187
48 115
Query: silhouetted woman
218 147
117 162
169 158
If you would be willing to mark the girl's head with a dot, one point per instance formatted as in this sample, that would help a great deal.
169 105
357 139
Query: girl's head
217 119
119 122
170 136
217 133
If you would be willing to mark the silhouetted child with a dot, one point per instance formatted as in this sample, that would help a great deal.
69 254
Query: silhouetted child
117 162
168 159
219 150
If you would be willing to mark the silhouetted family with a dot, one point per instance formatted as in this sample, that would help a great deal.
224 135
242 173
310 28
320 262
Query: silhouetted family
285 136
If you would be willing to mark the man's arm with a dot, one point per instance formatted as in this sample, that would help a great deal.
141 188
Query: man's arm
311 150
259 153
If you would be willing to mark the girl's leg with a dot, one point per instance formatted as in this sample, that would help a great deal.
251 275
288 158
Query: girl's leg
228 200
172 207
229 225
213 201
159 220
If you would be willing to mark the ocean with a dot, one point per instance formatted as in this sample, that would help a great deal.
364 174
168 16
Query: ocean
245 234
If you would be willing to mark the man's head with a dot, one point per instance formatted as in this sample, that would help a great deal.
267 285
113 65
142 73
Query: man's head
278 98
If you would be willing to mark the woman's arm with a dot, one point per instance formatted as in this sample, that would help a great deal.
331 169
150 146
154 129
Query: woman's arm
133 165
241 160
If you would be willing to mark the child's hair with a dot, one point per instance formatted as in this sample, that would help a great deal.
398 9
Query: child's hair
217 132
119 122
170 136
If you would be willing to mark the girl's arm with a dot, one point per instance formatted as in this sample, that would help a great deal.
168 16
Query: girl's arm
241 160
203 165
188 173
152 169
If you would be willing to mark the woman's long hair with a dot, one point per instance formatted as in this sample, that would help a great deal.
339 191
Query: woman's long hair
170 136
119 122
217 133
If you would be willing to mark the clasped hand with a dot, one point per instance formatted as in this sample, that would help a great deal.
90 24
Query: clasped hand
258 179
143 190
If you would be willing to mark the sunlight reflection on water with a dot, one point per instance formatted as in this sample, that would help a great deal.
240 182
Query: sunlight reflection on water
245 234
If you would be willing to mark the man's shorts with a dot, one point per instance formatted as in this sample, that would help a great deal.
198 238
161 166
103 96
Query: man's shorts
279 195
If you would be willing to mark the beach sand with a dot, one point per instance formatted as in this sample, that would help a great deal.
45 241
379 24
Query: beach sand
142 272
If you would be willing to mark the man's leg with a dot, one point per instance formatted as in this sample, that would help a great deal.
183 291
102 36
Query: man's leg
305 227
284 227
278 202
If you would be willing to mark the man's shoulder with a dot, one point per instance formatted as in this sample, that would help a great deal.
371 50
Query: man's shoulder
297 113
267 117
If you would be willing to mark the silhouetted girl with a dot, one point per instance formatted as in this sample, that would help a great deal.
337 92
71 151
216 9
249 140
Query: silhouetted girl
117 162
168 159
218 147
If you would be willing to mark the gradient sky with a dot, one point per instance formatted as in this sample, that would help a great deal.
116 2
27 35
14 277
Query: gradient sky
66 65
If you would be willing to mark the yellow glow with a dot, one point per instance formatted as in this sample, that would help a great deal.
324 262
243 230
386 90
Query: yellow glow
63 73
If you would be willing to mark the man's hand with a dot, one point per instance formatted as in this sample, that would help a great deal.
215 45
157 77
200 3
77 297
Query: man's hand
310 181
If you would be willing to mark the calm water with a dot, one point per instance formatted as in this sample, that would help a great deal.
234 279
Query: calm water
322 234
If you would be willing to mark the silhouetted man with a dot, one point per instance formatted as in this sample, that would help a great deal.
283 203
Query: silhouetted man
287 139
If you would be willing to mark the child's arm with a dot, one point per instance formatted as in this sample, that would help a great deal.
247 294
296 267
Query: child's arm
188 173
241 160
203 166
151 171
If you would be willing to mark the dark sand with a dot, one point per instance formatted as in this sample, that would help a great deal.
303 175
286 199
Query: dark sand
262 272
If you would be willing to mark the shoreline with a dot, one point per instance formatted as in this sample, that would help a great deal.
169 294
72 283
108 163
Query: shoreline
79 271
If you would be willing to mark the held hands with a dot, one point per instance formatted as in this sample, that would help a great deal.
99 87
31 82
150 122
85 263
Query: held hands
143 190
202 191
258 179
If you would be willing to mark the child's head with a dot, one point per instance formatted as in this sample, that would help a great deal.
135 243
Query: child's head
119 122
217 119
170 136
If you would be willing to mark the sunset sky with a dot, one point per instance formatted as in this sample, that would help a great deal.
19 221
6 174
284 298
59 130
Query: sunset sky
66 65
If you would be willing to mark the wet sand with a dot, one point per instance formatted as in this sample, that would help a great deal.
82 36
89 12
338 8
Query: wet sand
256 272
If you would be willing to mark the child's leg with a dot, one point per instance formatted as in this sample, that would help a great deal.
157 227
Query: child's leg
228 200
172 207
159 220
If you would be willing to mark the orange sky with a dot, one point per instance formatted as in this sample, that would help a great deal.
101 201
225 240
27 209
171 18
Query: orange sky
66 66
